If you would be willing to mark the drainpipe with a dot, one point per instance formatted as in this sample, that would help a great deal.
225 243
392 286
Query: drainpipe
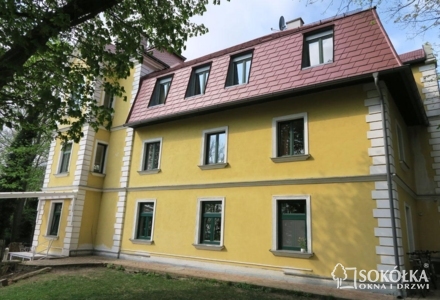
389 179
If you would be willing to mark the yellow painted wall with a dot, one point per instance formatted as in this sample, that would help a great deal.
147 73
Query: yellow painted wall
57 244
122 107
89 220
332 121
428 216
114 159
106 218
341 216
64 180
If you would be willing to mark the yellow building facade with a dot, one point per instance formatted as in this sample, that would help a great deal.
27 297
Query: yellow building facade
239 171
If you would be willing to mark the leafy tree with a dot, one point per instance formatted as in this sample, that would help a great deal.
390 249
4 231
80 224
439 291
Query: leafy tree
22 162
57 49
419 15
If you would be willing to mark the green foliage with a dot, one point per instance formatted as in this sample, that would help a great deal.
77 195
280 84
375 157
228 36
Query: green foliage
54 53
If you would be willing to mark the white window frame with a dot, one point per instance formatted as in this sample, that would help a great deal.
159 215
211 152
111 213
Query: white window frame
103 99
275 122
205 133
239 58
51 212
291 253
60 158
133 239
92 166
144 148
197 243
409 228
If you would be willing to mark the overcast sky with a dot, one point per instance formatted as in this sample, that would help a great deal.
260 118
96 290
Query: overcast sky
238 21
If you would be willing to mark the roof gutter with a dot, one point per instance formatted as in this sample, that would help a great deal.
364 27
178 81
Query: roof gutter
389 180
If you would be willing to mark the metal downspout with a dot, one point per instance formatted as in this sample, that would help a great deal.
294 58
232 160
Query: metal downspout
389 179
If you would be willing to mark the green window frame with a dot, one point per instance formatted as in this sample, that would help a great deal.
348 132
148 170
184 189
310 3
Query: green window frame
292 224
145 220
160 91
211 222
318 48
66 151
239 69
55 220
151 155
198 81
290 140
100 155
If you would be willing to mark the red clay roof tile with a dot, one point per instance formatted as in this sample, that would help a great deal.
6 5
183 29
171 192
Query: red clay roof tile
361 47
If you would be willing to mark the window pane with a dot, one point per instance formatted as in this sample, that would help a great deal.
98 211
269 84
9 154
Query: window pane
99 158
217 229
212 207
248 68
314 53
207 229
327 48
108 100
239 68
147 207
65 157
55 219
291 137
292 230
152 156
293 207
215 152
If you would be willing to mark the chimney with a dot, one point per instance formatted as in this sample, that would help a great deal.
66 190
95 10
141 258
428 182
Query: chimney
298 22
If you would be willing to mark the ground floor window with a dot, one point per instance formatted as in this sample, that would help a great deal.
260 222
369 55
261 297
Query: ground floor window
210 221
55 218
145 220
291 223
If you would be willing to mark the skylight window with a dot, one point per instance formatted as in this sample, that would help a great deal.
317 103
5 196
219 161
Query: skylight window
160 92
198 81
239 69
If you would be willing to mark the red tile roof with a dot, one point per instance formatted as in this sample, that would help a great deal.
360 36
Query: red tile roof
361 47
412 56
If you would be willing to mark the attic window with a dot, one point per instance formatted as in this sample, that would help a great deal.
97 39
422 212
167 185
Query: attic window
239 69
318 48
198 80
160 91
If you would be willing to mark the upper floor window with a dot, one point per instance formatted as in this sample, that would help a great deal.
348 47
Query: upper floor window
290 140
318 48
151 155
160 91
65 154
100 155
239 69
214 151
198 80
108 100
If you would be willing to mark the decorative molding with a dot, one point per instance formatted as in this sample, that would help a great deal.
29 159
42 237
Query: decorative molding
213 166
142 242
296 254
51 155
290 158
59 175
382 213
208 247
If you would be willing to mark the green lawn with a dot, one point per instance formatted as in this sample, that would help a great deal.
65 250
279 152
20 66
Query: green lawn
106 283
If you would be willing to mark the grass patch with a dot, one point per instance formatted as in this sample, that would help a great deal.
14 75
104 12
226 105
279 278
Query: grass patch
112 283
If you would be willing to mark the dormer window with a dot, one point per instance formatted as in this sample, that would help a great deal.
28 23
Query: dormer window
318 49
198 80
160 91
239 69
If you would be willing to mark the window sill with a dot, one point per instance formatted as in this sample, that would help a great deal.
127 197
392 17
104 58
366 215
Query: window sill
145 172
213 166
287 253
404 165
97 174
61 174
142 242
51 237
208 247
290 158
